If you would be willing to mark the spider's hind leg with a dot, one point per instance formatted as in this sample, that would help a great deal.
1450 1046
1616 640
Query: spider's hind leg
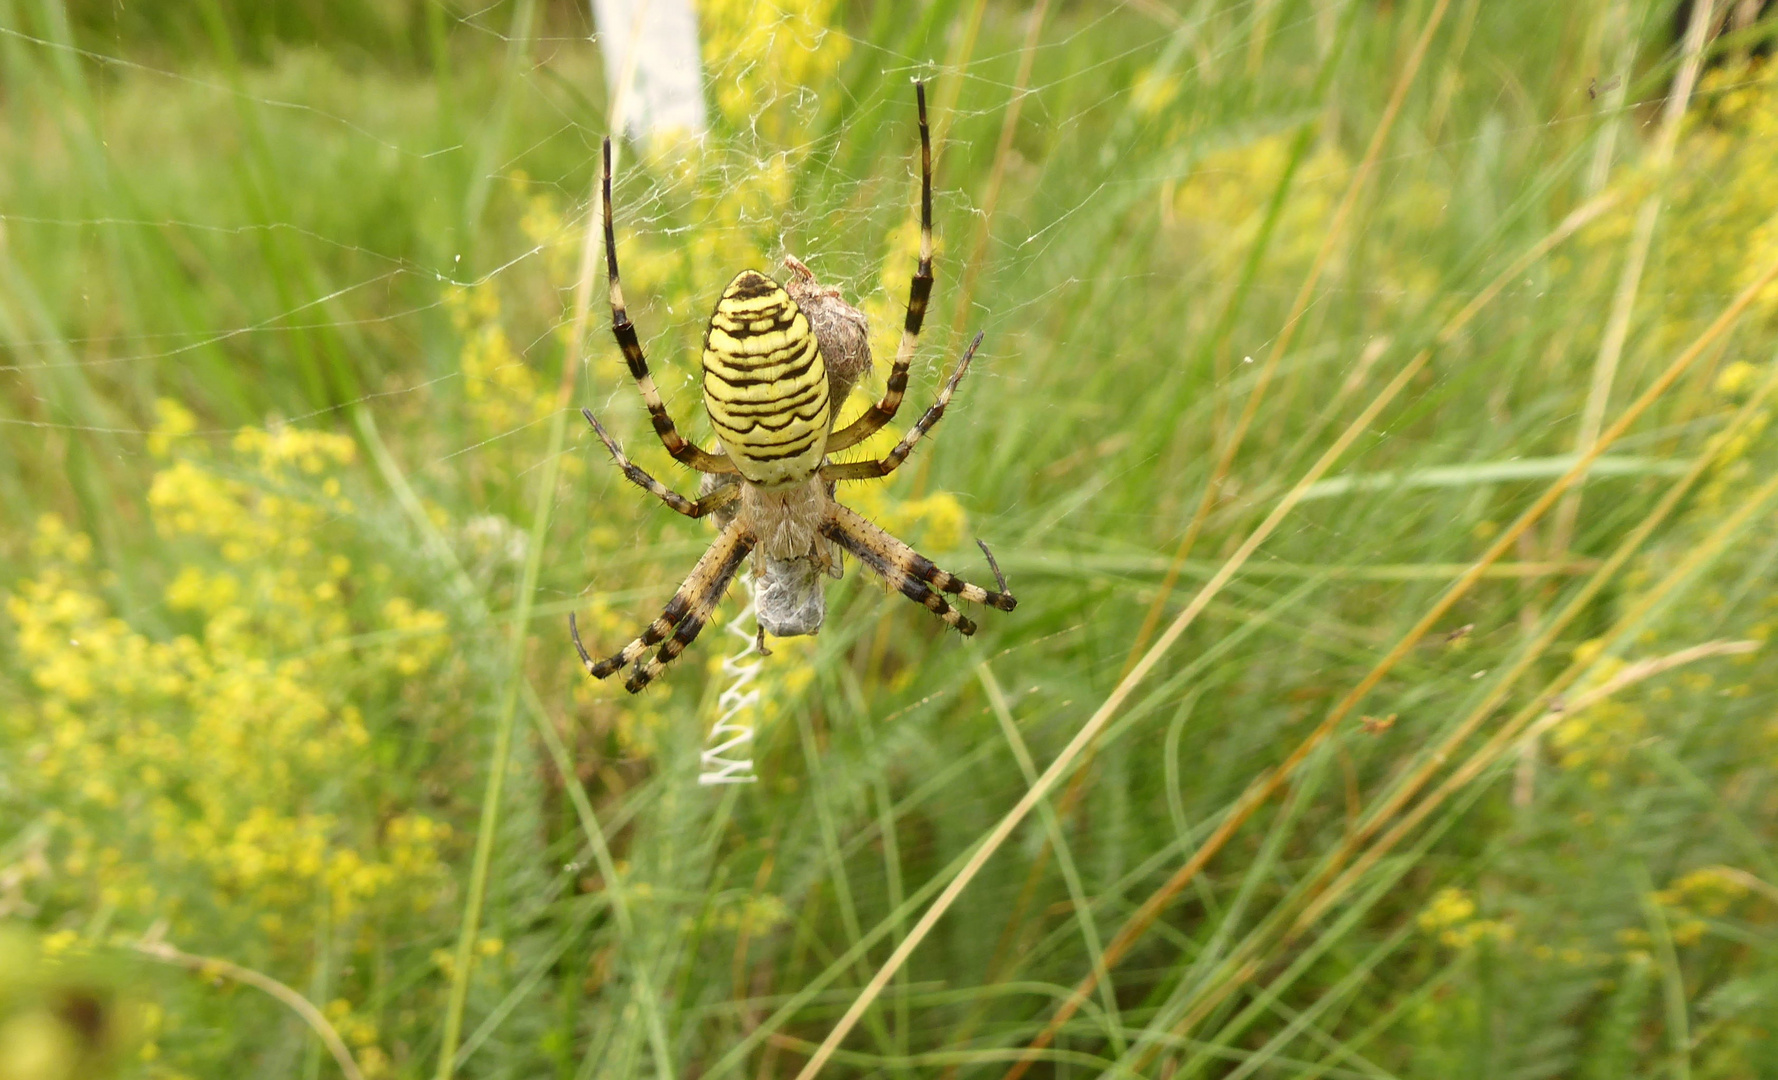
656 632
911 573
708 582
683 617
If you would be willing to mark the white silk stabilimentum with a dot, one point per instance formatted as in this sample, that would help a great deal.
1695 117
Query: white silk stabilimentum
736 706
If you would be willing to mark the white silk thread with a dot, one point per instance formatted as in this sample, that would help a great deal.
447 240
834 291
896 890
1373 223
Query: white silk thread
737 706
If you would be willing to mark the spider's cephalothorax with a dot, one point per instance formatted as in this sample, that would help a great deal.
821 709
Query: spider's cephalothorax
778 363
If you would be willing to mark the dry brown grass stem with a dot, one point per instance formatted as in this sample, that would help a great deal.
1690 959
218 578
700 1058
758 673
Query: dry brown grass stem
1242 963
1152 618
1623 303
1009 125
1751 882
1643 670
1266 784
218 968
1287 333
949 90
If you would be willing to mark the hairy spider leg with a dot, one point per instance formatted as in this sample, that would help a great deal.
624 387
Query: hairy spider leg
919 292
911 573
716 500
870 470
718 575
713 572
683 451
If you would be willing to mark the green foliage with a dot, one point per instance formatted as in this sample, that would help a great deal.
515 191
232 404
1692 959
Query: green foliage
286 297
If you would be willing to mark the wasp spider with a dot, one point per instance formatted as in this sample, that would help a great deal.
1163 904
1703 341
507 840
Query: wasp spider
778 362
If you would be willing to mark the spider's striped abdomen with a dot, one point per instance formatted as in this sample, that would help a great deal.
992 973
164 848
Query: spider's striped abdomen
764 382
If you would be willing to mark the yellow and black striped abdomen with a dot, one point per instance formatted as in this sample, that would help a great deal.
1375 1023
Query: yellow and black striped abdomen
764 382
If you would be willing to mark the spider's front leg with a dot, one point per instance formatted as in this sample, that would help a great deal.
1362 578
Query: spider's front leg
717 498
870 470
683 618
683 451
919 292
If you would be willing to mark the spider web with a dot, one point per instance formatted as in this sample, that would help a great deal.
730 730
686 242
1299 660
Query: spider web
781 173
452 311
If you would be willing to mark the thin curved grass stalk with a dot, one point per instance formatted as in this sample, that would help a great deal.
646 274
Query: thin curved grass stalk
476 608
1009 124
1267 783
1540 713
1298 309
1263 786
1623 303
733 731
478 879
216 967
1052 825
1319 897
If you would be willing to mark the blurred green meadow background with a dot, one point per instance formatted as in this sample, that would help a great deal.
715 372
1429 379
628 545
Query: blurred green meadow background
1304 320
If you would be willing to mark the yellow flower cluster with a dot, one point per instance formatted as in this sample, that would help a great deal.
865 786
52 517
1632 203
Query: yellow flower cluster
781 49
1732 470
502 391
1712 891
1745 98
212 763
1223 202
360 1033
258 519
1451 916
1720 206
935 523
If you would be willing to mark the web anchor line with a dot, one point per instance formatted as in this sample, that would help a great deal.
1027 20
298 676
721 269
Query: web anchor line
737 705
